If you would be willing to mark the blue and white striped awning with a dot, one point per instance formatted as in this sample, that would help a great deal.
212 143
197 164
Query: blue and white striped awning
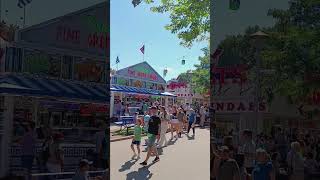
19 84
128 89
135 90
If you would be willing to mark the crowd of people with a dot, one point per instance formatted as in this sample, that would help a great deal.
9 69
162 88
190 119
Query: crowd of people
50 158
279 155
156 121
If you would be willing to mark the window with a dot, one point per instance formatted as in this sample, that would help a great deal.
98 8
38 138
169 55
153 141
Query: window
67 67
13 61
89 70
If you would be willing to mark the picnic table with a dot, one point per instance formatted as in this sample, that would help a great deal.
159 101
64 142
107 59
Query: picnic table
126 122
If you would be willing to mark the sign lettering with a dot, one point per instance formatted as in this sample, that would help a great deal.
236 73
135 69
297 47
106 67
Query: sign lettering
140 74
238 106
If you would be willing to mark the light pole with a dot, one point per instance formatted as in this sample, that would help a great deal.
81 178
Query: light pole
258 41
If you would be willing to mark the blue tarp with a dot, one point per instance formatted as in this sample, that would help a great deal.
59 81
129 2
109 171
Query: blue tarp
21 84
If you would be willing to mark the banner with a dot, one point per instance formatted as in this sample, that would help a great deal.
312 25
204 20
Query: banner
238 106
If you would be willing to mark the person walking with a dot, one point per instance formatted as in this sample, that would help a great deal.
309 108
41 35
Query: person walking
153 132
181 118
55 160
227 168
202 115
28 142
146 119
248 149
136 140
164 116
263 169
82 171
192 121
295 162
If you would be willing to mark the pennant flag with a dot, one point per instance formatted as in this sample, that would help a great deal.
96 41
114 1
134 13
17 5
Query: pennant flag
234 4
142 49
118 60
23 3
136 2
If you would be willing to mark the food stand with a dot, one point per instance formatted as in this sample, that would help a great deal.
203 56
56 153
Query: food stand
57 77
137 84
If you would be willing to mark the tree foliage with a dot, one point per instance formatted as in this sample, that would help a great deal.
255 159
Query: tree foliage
292 51
201 75
190 19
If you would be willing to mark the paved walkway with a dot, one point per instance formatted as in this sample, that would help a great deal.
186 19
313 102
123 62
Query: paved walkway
184 159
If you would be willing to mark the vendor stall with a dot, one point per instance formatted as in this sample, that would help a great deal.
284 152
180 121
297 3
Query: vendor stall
57 77
136 85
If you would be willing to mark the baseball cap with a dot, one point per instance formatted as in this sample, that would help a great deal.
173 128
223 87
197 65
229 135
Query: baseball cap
85 162
153 107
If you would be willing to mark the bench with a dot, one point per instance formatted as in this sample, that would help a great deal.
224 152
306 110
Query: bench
126 122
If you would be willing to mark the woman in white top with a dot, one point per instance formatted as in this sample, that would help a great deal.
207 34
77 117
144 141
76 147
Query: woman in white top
164 116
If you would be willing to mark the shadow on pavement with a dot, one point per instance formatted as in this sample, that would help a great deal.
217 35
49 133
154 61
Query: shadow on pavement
143 173
190 137
127 165
160 151
172 141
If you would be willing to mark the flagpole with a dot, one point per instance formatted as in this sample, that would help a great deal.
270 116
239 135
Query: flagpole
24 16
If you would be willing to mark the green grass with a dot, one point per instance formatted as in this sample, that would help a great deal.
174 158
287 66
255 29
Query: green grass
123 132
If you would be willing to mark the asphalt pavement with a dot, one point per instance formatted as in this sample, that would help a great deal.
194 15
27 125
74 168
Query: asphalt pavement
186 158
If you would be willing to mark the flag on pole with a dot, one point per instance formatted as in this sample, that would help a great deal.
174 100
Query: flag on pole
136 2
23 3
118 60
234 4
142 49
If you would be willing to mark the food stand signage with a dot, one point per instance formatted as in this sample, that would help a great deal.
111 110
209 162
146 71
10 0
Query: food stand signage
85 31
142 71
241 106
93 108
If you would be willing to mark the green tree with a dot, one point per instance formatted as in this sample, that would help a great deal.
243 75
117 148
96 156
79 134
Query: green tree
190 19
201 75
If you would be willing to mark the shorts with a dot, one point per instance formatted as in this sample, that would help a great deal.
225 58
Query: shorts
136 142
151 140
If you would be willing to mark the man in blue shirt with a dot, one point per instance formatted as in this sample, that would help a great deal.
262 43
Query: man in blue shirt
192 121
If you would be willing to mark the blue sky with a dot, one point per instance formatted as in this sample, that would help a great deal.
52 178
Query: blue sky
132 27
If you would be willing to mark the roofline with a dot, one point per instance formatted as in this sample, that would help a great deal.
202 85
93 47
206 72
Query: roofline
164 81
50 21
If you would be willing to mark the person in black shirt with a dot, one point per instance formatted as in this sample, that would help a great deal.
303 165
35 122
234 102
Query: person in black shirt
153 132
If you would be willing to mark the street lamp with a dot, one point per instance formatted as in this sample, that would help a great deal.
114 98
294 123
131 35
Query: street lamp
258 41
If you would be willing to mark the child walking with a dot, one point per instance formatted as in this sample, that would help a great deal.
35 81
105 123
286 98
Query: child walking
137 138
